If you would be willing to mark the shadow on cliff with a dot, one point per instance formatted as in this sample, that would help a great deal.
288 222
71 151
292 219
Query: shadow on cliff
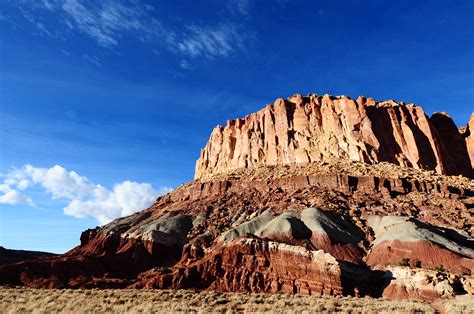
427 158
383 130
449 234
367 281
455 146
381 118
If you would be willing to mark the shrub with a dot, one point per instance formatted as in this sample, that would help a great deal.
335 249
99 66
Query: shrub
439 269
418 263
405 261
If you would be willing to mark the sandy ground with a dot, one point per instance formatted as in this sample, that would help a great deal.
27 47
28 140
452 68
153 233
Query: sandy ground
25 300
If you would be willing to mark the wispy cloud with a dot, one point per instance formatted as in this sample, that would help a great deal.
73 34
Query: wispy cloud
105 23
185 65
210 42
85 198
109 23
241 7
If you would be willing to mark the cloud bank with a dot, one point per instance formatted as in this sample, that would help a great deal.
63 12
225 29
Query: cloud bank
85 198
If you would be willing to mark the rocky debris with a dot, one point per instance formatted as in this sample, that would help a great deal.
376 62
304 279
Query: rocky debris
468 284
421 284
340 167
315 128
398 238
445 201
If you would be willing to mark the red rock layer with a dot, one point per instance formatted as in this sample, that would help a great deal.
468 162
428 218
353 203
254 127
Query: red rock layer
252 265
402 292
344 252
316 128
429 254
91 265
343 183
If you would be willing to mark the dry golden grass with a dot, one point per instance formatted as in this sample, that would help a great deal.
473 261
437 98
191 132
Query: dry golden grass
25 300
460 304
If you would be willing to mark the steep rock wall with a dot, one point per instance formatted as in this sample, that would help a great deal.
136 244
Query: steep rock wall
316 128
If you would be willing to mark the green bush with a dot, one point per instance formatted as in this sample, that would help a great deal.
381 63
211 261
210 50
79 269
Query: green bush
418 263
439 269
405 261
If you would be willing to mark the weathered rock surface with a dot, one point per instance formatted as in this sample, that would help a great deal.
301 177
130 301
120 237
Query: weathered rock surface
248 227
470 139
421 284
286 228
308 129
334 234
313 195
403 237
312 228
254 265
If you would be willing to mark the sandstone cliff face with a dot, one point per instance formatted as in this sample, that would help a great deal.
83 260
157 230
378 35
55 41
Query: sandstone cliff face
470 140
315 128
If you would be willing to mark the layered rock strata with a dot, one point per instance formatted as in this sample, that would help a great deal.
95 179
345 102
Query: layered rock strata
312 195
243 265
308 129
398 238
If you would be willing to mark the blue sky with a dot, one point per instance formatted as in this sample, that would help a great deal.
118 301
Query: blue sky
106 104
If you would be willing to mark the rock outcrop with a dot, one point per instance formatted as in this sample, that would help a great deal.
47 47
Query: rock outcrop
398 238
313 195
422 284
313 228
315 128
470 139
8 256
252 265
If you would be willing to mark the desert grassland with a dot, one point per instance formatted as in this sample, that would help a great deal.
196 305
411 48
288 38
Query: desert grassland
27 300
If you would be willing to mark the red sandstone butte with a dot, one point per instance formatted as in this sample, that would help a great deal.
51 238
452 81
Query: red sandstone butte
316 128
313 195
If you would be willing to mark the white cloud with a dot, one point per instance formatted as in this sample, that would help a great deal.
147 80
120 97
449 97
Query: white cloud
110 22
185 65
103 23
241 7
85 198
14 197
210 42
